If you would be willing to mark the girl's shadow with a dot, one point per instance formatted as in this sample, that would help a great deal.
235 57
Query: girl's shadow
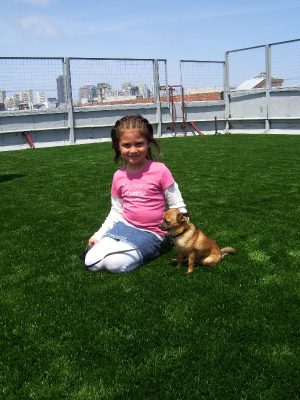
10 177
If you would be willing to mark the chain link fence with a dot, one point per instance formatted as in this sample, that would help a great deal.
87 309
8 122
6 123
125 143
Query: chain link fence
271 66
246 69
102 82
255 88
202 80
32 84
285 64
42 83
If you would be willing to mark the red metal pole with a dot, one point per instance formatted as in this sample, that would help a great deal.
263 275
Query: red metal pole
197 129
172 107
29 140
183 125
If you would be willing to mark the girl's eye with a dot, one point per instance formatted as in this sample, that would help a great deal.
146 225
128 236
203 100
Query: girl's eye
128 145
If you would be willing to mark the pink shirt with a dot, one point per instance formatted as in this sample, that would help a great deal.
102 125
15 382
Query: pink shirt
142 194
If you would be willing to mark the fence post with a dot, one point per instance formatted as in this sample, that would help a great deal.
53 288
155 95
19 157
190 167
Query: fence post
70 108
268 86
226 93
157 96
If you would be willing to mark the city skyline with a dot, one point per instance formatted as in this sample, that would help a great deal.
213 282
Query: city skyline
100 92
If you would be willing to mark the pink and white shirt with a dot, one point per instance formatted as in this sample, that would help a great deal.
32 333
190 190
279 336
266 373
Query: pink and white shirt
139 199
142 194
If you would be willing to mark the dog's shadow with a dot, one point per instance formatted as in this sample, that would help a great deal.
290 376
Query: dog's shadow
167 245
198 266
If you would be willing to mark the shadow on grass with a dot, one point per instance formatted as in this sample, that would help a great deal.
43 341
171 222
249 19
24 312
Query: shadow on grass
167 245
10 177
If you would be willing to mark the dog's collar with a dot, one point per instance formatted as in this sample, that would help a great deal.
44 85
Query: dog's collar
178 234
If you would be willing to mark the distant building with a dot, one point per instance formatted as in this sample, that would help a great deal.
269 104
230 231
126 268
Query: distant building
61 90
9 103
204 89
40 99
119 97
258 82
144 92
128 89
87 93
2 98
24 98
52 102
23 106
103 90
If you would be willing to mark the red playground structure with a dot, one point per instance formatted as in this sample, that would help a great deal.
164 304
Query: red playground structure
29 139
174 113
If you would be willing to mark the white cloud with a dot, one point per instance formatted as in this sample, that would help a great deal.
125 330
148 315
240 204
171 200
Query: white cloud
39 26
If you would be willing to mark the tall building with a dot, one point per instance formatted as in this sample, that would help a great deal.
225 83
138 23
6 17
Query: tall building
2 96
61 90
9 103
144 92
40 98
103 90
87 92
20 100
24 97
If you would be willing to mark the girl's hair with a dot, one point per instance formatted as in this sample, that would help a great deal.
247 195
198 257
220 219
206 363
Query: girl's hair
133 122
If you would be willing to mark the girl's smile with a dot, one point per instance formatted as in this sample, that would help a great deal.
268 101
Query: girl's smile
134 148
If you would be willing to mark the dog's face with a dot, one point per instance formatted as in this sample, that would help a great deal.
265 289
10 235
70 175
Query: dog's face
172 219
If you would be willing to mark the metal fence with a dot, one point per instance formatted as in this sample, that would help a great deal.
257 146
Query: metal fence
255 88
285 63
39 83
202 80
31 83
244 66
52 83
112 81
272 66
262 83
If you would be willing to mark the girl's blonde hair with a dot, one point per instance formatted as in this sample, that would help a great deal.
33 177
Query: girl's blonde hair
133 122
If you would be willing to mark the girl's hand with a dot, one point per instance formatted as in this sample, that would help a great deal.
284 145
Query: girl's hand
93 241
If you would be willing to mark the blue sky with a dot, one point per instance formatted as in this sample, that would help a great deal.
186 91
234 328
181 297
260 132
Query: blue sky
171 29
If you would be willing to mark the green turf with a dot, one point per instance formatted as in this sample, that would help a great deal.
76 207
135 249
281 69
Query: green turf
155 333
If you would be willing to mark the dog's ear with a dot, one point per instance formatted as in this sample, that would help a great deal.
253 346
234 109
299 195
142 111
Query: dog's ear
187 214
181 216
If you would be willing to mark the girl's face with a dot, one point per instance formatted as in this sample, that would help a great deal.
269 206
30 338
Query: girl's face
133 147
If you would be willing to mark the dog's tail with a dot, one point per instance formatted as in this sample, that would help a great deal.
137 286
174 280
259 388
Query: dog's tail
227 250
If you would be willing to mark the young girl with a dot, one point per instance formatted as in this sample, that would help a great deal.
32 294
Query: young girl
140 190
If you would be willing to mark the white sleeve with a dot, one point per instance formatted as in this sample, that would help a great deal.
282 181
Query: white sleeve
174 198
114 215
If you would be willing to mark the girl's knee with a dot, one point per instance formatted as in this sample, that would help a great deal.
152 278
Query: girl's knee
117 265
89 260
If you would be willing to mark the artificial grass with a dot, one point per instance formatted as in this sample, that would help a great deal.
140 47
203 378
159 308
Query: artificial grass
156 333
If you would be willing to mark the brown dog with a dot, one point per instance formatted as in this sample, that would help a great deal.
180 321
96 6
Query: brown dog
191 242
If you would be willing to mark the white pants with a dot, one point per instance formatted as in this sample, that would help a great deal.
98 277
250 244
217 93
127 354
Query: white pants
99 255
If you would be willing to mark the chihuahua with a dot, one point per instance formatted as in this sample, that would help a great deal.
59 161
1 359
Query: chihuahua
192 244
